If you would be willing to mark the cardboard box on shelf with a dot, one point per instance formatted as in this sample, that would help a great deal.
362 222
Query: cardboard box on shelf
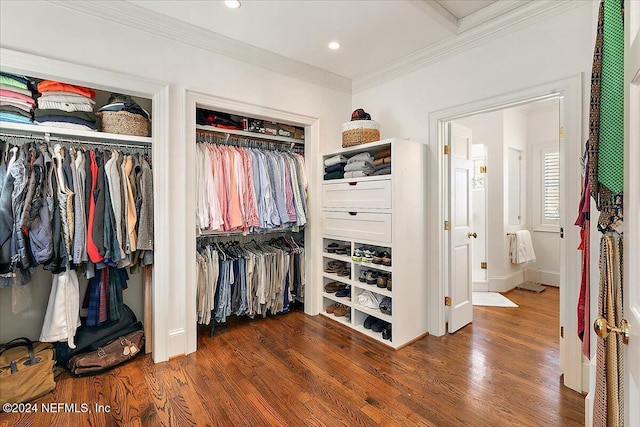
271 128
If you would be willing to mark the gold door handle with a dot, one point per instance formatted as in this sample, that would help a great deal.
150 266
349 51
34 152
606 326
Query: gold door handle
603 329
474 235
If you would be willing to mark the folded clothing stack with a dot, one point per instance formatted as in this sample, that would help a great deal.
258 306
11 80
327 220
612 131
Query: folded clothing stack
334 167
382 163
119 102
65 106
16 98
359 165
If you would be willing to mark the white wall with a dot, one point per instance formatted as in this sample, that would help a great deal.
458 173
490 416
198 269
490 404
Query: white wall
48 30
543 129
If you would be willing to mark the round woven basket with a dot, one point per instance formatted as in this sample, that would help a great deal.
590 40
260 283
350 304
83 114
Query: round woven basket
359 132
124 123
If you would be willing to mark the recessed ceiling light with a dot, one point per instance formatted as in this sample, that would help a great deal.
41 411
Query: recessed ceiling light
232 4
334 45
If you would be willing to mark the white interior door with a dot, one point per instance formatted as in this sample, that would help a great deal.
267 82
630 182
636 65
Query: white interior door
631 282
461 233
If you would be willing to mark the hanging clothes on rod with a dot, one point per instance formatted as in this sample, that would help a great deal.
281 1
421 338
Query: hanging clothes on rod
74 206
245 185
248 279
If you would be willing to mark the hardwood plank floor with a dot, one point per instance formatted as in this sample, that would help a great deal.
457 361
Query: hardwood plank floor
294 370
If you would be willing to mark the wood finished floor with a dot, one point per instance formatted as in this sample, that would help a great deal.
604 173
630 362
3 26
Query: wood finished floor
296 370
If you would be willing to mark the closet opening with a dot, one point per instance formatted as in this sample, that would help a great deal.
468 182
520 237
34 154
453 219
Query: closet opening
250 216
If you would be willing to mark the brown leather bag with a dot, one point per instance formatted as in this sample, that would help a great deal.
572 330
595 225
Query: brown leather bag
112 354
26 370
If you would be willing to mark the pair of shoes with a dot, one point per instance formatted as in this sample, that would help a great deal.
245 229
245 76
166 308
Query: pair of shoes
357 255
331 248
372 277
386 259
369 321
341 310
344 292
346 271
383 279
386 332
379 325
342 250
389 282
332 287
332 307
380 257
334 266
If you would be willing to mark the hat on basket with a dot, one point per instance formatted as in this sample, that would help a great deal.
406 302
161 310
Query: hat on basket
360 114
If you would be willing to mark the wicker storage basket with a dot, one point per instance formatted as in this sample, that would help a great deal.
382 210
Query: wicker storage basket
359 132
124 123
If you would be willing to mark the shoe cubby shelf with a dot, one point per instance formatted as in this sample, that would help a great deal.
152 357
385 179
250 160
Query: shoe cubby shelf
339 319
385 214
341 300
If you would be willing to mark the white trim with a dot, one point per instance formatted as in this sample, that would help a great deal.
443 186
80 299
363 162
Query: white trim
191 99
537 166
442 15
506 283
571 118
37 66
472 34
131 15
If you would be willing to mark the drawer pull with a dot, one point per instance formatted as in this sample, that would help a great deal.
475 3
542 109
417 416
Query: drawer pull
353 213
353 183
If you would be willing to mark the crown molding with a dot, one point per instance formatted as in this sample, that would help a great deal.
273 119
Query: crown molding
125 13
488 13
509 21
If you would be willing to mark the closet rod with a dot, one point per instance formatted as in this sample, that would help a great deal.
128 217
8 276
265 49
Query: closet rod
216 137
46 138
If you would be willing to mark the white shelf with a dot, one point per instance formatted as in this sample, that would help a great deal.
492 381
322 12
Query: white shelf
373 288
370 146
336 278
360 179
341 300
375 335
339 319
343 258
33 129
250 134
373 266
373 312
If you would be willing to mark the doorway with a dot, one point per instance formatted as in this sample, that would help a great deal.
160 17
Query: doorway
514 185
569 91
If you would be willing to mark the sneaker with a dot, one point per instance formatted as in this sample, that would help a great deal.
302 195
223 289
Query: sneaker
369 321
386 332
345 292
363 276
367 255
331 248
357 255
372 277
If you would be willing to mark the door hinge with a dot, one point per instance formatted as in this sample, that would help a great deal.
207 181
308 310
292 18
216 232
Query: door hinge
483 169
447 225
483 265
447 301
447 150
561 331
562 232
561 133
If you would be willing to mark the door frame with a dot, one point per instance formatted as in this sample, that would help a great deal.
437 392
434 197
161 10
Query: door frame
571 119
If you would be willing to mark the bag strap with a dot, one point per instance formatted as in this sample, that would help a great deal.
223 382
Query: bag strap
21 342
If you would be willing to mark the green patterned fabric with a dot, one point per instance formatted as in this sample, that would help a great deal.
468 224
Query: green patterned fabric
611 141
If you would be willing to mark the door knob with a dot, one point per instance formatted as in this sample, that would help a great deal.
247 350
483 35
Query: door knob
603 329
474 235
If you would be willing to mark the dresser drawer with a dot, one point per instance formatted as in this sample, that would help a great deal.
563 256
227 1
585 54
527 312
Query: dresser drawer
357 195
363 226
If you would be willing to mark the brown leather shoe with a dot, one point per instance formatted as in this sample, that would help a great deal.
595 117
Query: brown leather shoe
332 287
341 310
332 307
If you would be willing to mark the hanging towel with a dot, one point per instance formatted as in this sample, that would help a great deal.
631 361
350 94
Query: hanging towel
521 248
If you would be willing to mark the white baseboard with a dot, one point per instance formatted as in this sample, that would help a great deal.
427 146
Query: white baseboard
588 400
505 283
176 343
551 278
481 286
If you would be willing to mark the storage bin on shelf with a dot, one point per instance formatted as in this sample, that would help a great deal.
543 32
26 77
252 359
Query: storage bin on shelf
358 132
124 123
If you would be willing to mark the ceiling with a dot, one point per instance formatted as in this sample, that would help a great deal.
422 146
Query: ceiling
372 33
